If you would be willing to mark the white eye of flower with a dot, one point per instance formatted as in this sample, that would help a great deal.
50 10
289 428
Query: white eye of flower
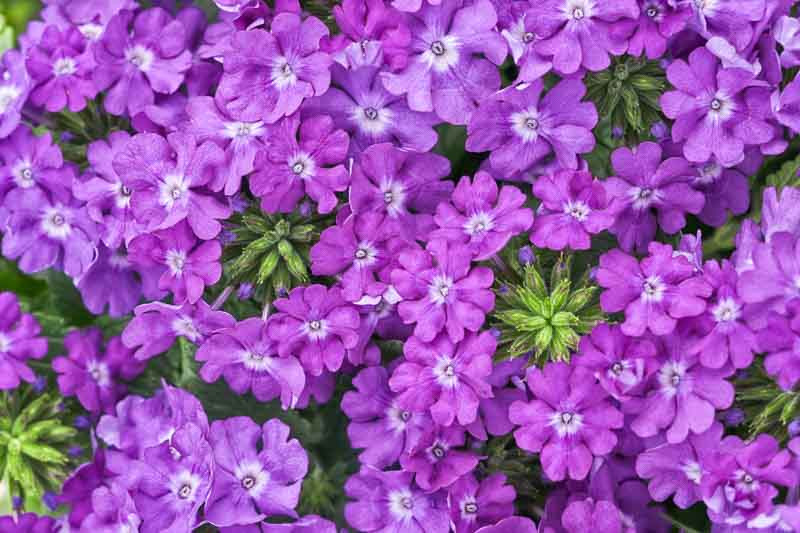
173 190
8 95
283 75
91 31
442 54
64 66
671 376
401 504
365 254
479 223
184 327
371 119
644 197
243 130
302 166
23 174
440 288
693 471
5 343
140 57
176 261
653 289
727 310
720 107
54 223
526 124
99 372
252 476
315 329
577 210
184 485
566 422
394 196
445 372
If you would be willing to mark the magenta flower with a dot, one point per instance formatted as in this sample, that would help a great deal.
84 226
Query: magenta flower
779 339
580 33
643 183
386 501
155 326
315 324
269 74
445 378
301 159
732 20
359 104
436 461
682 396
15 85
169 178
717 111
653 293
248 360
569 421
49 231
619 363
92 374
574 207
138 57
772 281
474 504
377 424
187 266
679 469
61 70
452 63
251 484
522 39
506 389
19 341
441 292
522 128
480 218
658 21
241 140
405 186
727 191
512 524
112 509
372 34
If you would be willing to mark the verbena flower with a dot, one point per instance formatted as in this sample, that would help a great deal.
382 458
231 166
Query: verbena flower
474 504
372 34
19 341
14 90
435 459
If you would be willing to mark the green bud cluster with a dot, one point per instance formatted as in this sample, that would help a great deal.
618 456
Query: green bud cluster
545 318
767 408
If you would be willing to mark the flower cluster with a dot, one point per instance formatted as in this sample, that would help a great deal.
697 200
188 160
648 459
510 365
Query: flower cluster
269 204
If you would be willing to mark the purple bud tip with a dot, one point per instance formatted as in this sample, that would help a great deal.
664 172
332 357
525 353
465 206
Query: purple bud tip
733 417
659 131
525 255
496 333
75 451
245 291
16 501
305 209
617 132
518 383
794 427
40 384
82 422
50 500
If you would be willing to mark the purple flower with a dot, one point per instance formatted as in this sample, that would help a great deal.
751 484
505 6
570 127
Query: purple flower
360 105
170 482
19 341
249 361
522 129
387 501
30 161
726 190
725 335
377 423
108 200
372 34
139 424
446 72
315 324
787 33
779 338
480 218
580 33
569 421
61 70
406 186
156 325
678 469
474 504
269 74
653 293
92 374
574 207
446 378
240 140
441 292
139 57
301 158
251 484
307 524
786 106
169 179
682 395
27 523
731 20
187 266
49 231
522 40
717 111
506 389
436 461
15 85
658 21
620 363
113 509
358 250
772 281
741 486
77 489
512 524
643 183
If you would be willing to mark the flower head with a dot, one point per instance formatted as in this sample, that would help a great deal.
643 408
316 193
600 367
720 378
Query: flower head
436 460
14 89
19 341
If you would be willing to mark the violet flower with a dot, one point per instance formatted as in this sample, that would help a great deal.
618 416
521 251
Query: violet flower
19 341
248 360
570 420
377 423
315 324
574 207
113 509
435 459
731 20
726 191
137 57
372 33
269 74
653 293
249 483
15 86
30 161
658 21
480 218
441 292
522 39
779 340
301 158
447 379
512 524
474 504
522 128
452 65
772 282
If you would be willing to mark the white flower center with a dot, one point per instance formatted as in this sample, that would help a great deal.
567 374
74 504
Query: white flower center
184 327
243 130
671 376
653 289
440 288
394 196
720 107
64 66
140 57
91 31
708 173
55 224
8 95
445 372
693 471
373 120
365 254
5 343
122 195
397 418
469 509
727 310
23 175
437 451
119 260
577 210
302 166
566 422
283 75
256 361
526 124
99 372
479 223
173 190
184 485
401 504
644 197
252 477
176 261
315 329
442 54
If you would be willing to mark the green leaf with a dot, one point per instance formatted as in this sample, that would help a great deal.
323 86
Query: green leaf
43 453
